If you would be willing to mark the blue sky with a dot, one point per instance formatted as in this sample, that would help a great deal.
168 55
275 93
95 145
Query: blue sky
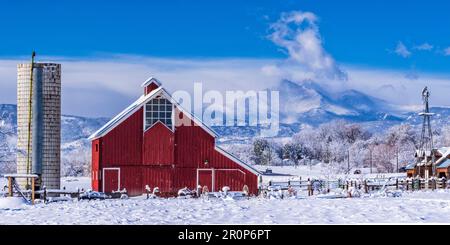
401 38
354 31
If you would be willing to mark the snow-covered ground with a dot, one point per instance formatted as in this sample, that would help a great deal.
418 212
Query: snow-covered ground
74 183
411 207
418 207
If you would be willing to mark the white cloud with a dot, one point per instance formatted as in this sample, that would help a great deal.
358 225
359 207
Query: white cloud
447 51
424 47
394 87
402 50
105 86
298 33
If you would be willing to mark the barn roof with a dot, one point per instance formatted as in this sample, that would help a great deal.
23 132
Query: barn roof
122 116
149 81
237 160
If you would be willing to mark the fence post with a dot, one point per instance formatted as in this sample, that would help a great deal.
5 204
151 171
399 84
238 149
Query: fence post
366 190
45 194
10 188
32 190
396 183
309 188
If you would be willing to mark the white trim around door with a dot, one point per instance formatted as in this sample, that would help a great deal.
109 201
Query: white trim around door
118 178
212 176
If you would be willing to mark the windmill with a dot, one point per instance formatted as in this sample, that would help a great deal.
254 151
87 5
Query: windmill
425 153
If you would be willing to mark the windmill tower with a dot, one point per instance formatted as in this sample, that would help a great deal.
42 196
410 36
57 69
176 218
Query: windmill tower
425 153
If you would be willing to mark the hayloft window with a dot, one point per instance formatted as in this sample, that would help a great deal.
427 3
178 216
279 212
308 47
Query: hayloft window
158 109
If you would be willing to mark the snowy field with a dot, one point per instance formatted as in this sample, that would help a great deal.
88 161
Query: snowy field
410 207
416 207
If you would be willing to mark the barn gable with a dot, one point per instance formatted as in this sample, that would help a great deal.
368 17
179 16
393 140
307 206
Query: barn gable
138 104
150 84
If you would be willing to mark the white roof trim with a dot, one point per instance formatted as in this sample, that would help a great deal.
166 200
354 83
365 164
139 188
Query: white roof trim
149 81
444 157
189 114
237 160
122 116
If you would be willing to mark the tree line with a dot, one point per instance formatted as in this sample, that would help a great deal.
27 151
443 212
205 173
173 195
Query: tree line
345 145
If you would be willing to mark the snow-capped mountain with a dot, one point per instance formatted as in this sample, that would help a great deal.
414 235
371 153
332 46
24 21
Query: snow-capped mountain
309 104
74 133
312 104
301 105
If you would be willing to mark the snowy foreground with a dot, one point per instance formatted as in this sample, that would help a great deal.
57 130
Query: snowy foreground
410 207
417 207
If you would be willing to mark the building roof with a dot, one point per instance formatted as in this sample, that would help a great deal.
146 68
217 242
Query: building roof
444 161
122 116
410 166
149 81
445 164
21 175
237 160
443 150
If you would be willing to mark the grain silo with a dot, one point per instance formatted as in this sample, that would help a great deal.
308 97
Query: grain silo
39 136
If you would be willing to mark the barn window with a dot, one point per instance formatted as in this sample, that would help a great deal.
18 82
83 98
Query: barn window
158 109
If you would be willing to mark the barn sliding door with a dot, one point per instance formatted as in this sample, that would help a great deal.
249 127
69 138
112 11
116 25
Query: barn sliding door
205 177
111 179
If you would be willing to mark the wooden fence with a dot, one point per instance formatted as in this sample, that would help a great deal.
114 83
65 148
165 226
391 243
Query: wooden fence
367 185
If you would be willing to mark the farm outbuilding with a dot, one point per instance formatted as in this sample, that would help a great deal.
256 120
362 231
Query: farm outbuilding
158 143
439 167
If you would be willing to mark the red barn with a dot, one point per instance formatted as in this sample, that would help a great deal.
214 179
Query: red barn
146 144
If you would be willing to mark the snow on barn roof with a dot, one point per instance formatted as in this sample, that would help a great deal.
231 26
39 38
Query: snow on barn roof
138 104
149 81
